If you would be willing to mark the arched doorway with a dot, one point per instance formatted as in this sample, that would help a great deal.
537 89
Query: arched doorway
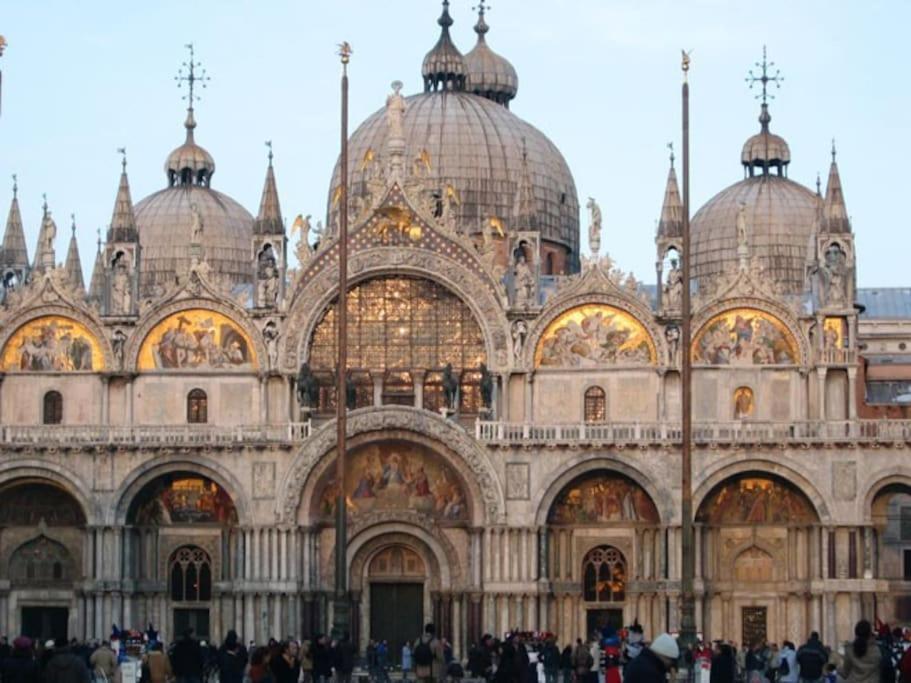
397 576
756 534
891 516
42 533
604 577
182 542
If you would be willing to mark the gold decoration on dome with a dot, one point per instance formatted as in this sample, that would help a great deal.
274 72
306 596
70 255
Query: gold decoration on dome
52 343
197 339
397 221
498 226
369 156
595 335
745 336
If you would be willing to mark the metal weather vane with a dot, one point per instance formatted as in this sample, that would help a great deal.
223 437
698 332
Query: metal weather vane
764 78
188 74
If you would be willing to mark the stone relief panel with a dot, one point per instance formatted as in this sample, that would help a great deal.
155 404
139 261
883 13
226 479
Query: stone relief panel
745 336
52 343
263 480
844 480
517 481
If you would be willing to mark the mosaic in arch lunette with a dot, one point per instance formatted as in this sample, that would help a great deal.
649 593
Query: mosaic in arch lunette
183 499
745 336
52 343
603 497
756 499
396 475
197 339
595 335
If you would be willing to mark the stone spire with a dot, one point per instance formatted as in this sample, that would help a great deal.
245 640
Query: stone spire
524 209
14 253
45 256
834 209
96 284
269 219
444 66
123 219
671 222
73 266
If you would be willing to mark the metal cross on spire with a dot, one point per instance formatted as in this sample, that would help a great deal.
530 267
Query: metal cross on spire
188 74
15 185
766 66
122 151
481 7
269 145
670 146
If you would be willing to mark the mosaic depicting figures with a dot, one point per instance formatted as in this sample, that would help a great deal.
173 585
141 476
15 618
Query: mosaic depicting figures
756 500
197 339
605 497
184 500
398 476
745 336
52 344
595 336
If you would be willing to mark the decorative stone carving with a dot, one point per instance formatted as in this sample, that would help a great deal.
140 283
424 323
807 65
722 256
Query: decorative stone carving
673 287
517 481
844 480
118 343
263 480
307 388
835 274
519 333
594 226
121 285
271 334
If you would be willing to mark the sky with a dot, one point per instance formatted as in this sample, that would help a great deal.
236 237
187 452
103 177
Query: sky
601 78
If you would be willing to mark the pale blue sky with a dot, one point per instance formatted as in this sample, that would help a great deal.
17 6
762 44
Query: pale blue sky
599 77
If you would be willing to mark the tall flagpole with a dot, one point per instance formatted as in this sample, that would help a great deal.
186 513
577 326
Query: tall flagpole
687 601
341 616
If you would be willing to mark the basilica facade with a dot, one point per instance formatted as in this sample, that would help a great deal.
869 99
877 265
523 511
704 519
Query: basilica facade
167 433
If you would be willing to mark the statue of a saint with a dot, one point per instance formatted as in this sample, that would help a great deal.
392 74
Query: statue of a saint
450 387
486 387
594 226
196 227
121 289
519 333
673 289
50 233
672 335
307 387
118 343
524 281
835 268
742 239
395 112
271 334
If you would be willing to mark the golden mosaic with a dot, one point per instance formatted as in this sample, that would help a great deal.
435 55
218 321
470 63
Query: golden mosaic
52 343
756 500
595 335
197 339
745 336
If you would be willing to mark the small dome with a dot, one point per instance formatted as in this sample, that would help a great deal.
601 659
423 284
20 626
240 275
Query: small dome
765 150
189 164
489 74
444 66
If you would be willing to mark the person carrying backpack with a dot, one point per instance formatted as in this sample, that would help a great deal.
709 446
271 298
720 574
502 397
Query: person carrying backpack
429 657
812 659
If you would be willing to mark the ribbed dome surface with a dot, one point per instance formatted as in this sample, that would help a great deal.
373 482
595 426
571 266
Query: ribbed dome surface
780 215
489 74
475 144
165 222
765 149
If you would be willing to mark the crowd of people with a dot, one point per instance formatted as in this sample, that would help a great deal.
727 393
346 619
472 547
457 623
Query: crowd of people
875 655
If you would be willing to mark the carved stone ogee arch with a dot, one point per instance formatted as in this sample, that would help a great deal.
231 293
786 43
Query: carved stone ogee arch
160 313
464 454
744 463
638 311
35 470
316 296
593 463
138 478
51 534
771 308
736 551
874 483
92 324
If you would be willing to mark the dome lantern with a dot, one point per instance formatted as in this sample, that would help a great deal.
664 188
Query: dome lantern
765 150
444 66
489 74
190 164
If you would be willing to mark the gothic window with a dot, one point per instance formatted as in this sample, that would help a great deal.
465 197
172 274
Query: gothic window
604 575
595 405
41 561
904 527
399 325
197 407
191 575
52 411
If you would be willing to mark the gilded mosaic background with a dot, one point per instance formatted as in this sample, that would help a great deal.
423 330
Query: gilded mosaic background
595 335
745 336
52 343
605 497
183 500
197 339
396 475
756 500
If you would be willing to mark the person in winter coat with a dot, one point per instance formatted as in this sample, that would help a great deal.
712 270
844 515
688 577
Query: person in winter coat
724 666
322 659
654 662
65 666
407 664
432 668
186 659
307 662
811 660
566 663
231 659
104 661
158 664
787 663
343 659
20 666
285 667
550 657
861 664
259 666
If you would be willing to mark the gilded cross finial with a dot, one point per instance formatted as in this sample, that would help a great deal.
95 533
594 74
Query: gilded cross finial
481 7
188 74
834 153
764 78
3 45
685 59
73 224
670 146
15 185
122 151
269 145
345 51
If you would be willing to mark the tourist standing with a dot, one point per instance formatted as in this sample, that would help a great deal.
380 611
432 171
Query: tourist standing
343 658
811 660
429 658
724 666
231 659
655 662
158 664
322 659
307 661
20 666
186 659
65 666
550 657
862 657
406 660
787 663
104 661
285 667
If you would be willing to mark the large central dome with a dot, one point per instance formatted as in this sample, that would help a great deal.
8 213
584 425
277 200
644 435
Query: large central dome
477 145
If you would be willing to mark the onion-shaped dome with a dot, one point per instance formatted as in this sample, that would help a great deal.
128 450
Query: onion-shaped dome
444 66
489 74
165 223
780 217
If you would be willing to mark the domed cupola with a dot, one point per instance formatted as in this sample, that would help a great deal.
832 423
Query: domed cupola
189 164
489 75
444 66
765 150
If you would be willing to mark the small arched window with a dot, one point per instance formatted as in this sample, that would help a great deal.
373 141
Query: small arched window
52 411
197 407
604 575
191 575
595 405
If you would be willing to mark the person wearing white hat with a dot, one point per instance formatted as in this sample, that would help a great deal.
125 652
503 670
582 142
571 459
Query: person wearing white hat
654 662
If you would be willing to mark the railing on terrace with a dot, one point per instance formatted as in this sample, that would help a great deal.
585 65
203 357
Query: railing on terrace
153 435
513 433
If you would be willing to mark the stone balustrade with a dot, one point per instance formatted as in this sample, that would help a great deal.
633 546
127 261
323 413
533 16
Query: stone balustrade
152 435
721 433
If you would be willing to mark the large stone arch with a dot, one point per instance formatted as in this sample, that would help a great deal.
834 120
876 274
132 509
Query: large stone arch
144 474
162 312
57 475
550 489
313 299
744 463
876 482
11 326
406 423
